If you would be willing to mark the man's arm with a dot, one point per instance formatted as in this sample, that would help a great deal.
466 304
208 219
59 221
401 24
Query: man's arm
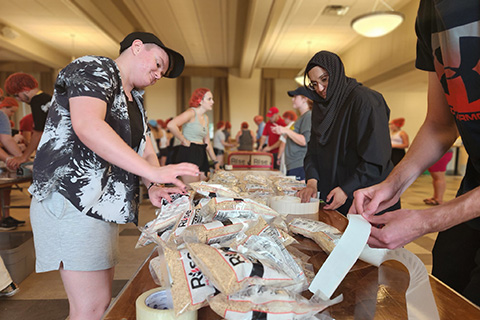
434 138
31 147
400 227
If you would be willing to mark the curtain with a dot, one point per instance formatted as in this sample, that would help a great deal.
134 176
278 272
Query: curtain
221 98
267 95
46 82
184 91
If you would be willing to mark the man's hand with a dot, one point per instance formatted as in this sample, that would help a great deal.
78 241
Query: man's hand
15 162
394 229
371 200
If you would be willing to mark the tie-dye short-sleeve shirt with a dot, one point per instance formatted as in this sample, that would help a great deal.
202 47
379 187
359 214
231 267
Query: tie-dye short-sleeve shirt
64 164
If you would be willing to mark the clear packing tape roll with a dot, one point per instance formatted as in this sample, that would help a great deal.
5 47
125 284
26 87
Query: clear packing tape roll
157 304
352 246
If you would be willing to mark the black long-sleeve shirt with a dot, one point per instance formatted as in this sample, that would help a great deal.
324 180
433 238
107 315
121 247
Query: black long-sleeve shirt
357 154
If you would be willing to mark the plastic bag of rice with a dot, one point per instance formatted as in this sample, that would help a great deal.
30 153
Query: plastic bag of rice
230 271
188 218
214 190
222 232
166 218
190 287
228 208
262 302
323 234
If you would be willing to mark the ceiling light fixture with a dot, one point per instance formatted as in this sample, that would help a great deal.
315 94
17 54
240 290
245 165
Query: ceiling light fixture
377 23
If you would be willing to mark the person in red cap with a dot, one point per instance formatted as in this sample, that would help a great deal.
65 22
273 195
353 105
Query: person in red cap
273 138
93 154
194 136
399 140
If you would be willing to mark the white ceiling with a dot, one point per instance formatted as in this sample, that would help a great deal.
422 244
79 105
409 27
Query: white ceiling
238 34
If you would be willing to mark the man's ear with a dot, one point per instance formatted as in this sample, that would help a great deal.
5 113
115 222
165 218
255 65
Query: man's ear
136 46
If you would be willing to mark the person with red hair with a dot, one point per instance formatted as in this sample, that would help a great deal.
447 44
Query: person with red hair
399 139
245 138
24 87
194 137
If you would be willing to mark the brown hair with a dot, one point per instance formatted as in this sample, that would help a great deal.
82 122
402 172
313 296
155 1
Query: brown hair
244 125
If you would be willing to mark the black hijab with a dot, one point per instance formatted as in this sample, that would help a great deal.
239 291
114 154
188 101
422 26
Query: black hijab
325 111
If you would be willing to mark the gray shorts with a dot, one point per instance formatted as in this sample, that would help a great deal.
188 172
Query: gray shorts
61 233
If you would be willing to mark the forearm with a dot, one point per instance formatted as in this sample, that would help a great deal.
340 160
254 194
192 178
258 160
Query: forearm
454 212
149 156
298 138
434 138
32 146
10 145
177 133
111 147
3 155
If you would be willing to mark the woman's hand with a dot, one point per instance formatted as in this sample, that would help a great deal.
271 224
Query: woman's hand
158 192
335 199
169 174
186 143
309 192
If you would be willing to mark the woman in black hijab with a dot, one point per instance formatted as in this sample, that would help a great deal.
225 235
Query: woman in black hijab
349 147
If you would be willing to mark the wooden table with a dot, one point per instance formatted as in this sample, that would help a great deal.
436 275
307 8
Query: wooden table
369 292
7 181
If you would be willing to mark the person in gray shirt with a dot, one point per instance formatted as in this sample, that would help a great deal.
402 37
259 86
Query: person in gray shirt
298 136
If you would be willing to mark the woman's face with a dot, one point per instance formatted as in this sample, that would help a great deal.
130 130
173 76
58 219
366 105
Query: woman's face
10 111
152 65
298 101
318 81
207 101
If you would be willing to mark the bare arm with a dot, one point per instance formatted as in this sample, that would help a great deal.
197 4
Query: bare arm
88 116
261 143
298 138
10 145
436 135
31 147
178 122
405 143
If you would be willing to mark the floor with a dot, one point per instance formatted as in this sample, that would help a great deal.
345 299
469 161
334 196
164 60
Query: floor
42 297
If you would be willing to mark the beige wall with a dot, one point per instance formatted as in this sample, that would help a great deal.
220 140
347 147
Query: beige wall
244 100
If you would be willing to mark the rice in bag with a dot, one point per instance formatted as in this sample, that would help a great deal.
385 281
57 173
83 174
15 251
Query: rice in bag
323 234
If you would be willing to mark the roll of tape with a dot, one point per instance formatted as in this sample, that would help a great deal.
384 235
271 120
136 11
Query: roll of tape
157 304
292 205
352 245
